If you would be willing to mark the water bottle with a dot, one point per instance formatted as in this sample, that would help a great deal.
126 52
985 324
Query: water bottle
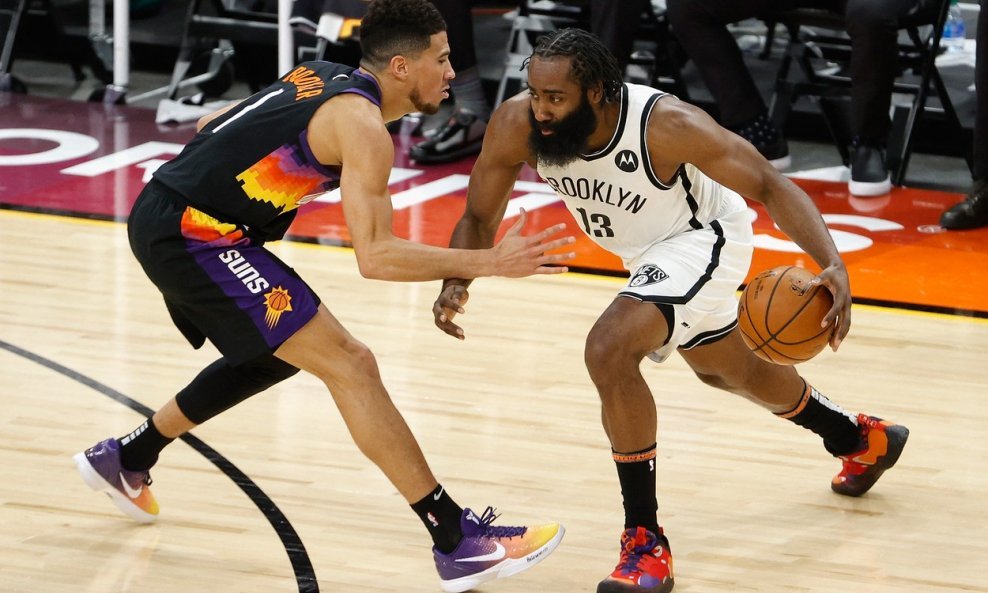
953 29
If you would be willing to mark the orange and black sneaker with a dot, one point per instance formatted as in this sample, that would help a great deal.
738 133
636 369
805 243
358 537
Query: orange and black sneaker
883 443
645 565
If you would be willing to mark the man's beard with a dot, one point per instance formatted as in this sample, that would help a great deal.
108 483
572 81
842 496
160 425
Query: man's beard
568 139
420 105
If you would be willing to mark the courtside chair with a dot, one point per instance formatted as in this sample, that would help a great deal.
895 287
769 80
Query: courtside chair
818 44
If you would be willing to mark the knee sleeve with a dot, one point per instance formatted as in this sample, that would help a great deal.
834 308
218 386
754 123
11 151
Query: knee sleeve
220 386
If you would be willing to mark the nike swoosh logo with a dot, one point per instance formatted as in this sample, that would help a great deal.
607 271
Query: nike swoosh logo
438 494
498 553
130 491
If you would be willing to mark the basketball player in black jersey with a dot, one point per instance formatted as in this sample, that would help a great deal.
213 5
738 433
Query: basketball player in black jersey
658 182
199 229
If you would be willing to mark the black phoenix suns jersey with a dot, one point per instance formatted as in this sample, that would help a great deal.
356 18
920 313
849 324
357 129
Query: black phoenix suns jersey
252 166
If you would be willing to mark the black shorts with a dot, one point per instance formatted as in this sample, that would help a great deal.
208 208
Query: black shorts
216 281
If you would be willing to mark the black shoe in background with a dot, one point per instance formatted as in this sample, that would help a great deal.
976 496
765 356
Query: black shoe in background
869 173
972 213
460 136
768 140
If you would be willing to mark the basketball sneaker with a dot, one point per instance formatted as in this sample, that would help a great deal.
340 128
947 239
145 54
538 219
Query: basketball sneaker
768 139
869 171
645 565
883 443
460 136
489 552
100 468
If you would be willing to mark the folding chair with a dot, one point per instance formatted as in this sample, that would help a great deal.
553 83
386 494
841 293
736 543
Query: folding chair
663 59
530 20
10 16
214 26
818 35
533 18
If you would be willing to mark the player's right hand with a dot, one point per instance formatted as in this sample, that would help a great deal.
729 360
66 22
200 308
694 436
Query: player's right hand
449 303
517 256
835 279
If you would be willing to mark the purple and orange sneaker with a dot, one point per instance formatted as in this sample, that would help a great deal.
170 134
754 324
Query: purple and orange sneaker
100 468
645 565
883 443
487 552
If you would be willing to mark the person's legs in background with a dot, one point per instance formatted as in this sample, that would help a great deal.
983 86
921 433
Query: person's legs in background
616 23
463 133
973 211
701 28
874 29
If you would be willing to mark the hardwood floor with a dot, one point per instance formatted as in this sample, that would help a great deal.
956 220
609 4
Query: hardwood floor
507 418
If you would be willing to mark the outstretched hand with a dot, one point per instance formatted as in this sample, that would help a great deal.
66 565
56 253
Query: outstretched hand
517 256
835 279
449 303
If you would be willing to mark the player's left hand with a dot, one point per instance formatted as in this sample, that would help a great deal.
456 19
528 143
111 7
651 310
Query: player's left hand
450 302
835 279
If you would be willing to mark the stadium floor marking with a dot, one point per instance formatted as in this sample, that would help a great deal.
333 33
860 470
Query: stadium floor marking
305 576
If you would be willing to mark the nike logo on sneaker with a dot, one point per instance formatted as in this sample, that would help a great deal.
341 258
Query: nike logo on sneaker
498 553
128 490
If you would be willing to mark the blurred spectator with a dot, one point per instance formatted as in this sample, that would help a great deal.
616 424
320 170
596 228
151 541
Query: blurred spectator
973 211
701 28
463 132
614 21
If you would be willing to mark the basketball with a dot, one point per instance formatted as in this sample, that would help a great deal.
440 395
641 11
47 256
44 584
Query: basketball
278 300
780 314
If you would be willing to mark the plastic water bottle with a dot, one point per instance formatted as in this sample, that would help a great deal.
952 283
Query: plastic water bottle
953 29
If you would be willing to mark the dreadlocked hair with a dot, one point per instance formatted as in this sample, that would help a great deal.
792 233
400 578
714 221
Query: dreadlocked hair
591 63
397 27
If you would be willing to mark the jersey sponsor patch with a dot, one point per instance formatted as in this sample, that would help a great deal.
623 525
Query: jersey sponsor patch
647 274
627 161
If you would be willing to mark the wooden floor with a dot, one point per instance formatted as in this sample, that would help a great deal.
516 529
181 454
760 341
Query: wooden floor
507 418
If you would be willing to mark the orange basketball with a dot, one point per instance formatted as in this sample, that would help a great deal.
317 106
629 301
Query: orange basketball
278 301
780 314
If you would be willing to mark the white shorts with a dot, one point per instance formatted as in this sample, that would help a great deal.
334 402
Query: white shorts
698 273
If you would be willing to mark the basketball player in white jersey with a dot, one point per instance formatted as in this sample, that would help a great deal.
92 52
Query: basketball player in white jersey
659 184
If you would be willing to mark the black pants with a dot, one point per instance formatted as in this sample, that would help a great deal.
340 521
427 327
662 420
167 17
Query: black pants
614 21
459 32
700 26
981 95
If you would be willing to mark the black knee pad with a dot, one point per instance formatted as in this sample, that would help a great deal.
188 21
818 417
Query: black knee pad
220 386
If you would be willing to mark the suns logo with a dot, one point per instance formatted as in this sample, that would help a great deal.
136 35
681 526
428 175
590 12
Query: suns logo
277 301
247 273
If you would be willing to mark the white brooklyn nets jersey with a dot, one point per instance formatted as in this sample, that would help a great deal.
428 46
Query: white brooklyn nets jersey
620 202
687 241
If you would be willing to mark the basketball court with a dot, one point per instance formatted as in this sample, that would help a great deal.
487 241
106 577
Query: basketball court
273 496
